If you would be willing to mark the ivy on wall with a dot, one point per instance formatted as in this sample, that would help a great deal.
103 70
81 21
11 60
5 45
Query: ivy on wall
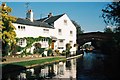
31 40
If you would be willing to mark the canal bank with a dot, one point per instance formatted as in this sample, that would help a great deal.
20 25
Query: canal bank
90 66
63 70
39 61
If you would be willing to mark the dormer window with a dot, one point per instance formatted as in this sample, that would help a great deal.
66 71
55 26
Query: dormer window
65 22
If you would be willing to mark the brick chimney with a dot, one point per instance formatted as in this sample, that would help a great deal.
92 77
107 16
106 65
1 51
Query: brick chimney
29 15
3 4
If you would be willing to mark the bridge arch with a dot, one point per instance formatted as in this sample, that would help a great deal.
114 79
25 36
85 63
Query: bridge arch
96 38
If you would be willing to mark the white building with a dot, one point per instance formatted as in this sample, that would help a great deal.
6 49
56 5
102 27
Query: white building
59 28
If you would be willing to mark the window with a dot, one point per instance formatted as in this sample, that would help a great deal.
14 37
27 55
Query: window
61 41
61 44
71 42
44 43
21 42
46 30
18 27
71 33
21 28
65 22
60 31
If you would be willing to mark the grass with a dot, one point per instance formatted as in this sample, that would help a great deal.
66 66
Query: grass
37 62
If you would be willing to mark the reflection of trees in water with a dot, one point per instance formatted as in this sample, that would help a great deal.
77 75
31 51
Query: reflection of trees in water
74 61
51 71
58 70
68 65
37 71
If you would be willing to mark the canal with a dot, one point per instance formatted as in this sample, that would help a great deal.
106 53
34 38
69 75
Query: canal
91 66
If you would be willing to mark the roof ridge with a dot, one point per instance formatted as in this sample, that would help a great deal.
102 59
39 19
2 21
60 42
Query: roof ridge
50 17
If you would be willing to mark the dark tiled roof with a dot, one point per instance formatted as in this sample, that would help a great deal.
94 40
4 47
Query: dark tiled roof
44 22
34 23
50 20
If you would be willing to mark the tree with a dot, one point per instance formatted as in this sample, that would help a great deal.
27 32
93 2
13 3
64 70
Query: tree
108 30
68 47
8 33
111 14
78 27
117 29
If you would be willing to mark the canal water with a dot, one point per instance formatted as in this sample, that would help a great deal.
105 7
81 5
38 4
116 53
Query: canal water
91 66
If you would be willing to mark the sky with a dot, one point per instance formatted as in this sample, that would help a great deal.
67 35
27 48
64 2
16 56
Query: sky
86 14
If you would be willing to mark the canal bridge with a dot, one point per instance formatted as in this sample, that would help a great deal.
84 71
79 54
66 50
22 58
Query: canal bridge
96 38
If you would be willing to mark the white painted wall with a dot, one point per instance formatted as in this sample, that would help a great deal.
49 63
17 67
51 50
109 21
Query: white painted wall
34 31
30 31
59 24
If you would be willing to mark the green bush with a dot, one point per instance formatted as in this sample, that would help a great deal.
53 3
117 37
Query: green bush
57 52
63 53
39 50
17 49
50 52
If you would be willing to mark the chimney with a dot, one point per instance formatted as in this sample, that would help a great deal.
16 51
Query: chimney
29 15
3 4
49 15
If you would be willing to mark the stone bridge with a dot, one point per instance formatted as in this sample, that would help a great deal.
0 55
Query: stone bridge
95 37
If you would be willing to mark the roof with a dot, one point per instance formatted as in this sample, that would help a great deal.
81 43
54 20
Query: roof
44 22
50 20
34 23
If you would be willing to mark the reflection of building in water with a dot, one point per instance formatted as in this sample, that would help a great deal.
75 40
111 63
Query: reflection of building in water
51 71
60 70
31 70
70 69
66 70
44 72
22 76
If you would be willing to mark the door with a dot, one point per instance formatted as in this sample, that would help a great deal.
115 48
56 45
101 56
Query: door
52 46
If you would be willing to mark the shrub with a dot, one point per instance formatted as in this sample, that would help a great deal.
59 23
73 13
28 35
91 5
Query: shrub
63 53
50 52
57 52
39 50
17 49
68 47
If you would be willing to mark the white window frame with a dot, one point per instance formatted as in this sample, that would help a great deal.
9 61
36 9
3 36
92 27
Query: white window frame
21 28
65 22
60 44
21 42
45 30
71 33
60 31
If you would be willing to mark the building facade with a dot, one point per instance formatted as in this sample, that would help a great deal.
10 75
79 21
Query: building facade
59 28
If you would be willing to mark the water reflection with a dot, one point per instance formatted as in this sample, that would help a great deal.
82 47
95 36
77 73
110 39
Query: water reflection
89 67
22 76
57 70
